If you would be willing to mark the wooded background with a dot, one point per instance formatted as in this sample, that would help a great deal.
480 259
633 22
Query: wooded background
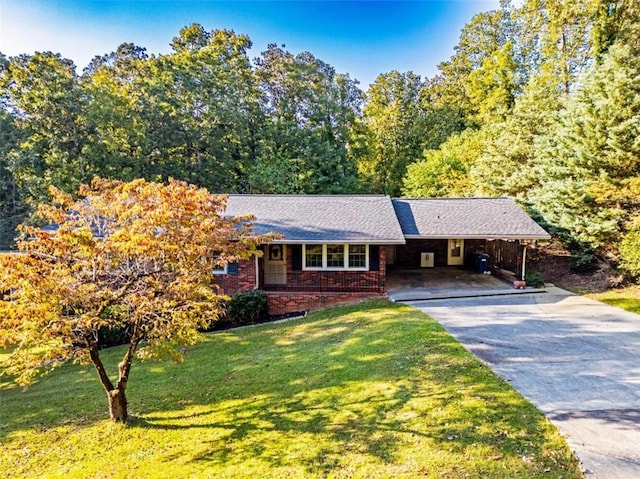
540 102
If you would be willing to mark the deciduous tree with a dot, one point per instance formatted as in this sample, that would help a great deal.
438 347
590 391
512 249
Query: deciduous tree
310 114
137 256
396 118
445 171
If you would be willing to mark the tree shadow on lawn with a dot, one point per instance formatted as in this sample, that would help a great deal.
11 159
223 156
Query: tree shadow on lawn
366 380
295 392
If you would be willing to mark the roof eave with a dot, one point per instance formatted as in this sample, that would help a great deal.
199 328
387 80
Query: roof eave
486 237
340 241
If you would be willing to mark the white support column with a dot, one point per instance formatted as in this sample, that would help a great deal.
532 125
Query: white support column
257 273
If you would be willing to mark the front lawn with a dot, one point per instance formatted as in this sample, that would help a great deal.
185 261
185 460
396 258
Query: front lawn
370 391
624 298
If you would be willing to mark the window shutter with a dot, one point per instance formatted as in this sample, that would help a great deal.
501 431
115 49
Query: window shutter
374 258
232 268
296 257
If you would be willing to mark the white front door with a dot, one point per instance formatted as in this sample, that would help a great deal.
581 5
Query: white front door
455 252
275 265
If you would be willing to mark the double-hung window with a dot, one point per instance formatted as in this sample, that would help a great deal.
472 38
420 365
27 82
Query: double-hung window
313 256
335 257
358 256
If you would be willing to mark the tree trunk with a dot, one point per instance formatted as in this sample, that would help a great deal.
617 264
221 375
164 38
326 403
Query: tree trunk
117 405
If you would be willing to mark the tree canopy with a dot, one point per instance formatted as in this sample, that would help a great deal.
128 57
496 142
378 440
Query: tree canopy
135 257
517 110
550 89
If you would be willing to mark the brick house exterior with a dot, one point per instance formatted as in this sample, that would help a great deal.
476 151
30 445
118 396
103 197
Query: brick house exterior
336 249
332 250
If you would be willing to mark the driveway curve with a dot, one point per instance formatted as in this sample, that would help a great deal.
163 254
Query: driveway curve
576 359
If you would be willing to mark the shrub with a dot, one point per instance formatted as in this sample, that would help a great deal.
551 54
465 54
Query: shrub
630 250
533 278
248 307
116 332
109 336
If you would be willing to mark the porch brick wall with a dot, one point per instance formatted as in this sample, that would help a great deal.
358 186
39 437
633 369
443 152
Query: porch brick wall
308 290
284 302
333 281
245 280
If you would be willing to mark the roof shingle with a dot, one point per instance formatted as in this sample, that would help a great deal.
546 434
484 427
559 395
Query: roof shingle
488 218
322 218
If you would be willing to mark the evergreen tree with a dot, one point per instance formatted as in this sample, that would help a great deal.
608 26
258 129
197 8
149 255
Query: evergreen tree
590 160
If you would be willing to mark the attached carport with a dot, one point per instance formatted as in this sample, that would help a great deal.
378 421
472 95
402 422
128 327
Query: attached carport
444 232
446 282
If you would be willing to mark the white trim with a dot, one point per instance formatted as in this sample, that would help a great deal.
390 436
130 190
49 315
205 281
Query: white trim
257 271
345 252
487 237
217 270
372 241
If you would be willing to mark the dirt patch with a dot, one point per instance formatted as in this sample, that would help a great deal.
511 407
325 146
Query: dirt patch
553 262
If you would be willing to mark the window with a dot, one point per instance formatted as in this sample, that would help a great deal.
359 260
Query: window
219 268
357 256
313 256
336 257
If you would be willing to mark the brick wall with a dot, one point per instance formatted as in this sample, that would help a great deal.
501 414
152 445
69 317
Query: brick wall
333 281
243 280
284 302
308 290
408 256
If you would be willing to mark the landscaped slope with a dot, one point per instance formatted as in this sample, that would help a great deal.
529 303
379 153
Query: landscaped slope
376 391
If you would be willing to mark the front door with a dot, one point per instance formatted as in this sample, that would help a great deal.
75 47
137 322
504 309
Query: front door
455 252
275 265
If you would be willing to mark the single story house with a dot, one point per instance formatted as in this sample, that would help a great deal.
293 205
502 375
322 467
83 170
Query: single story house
338 248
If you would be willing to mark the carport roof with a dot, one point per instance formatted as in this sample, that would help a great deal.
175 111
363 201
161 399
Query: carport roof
482 218
321 218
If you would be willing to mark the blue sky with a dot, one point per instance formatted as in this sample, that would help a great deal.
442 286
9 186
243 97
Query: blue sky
362 38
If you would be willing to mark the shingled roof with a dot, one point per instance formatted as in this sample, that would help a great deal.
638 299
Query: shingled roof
486 218
322 218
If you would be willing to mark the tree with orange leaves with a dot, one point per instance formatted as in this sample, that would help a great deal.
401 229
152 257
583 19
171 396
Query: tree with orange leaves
136 255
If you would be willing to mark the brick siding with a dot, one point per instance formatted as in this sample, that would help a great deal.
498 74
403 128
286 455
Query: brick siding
332 281
284 302
244 280
408 256
308 290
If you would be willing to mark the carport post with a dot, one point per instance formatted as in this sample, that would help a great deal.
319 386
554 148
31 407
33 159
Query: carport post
524 261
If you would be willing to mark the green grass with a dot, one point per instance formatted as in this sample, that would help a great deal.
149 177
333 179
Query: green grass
370 391
624 298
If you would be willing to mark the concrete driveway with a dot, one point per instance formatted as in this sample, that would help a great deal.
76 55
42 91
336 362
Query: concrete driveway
576 359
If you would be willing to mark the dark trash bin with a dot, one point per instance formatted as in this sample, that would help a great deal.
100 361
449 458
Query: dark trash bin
482 263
